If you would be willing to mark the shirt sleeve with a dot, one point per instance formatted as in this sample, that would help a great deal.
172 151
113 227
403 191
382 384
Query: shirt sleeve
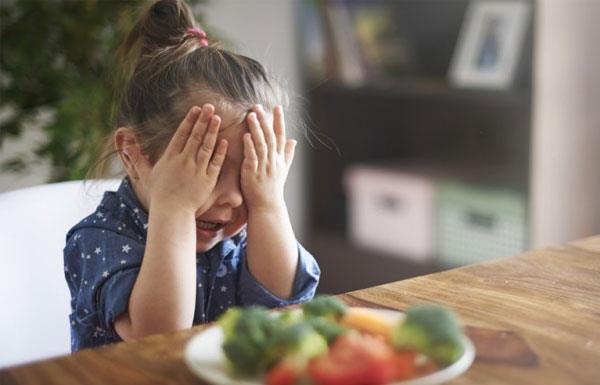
251 292
103 267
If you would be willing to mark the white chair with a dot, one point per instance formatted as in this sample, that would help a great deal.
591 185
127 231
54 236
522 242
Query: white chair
34 296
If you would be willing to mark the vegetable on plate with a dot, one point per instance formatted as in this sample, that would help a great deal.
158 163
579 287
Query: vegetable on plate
325 342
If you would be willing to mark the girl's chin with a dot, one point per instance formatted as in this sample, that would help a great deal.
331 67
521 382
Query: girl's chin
203 247
206 239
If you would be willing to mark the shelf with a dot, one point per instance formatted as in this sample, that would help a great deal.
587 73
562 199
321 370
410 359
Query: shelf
346 267
424 89
469 138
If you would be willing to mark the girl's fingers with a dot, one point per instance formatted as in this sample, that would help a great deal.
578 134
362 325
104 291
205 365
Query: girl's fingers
258 137
267 129
250 157
182 133
214 167
279 128
290 148
196 137
207 147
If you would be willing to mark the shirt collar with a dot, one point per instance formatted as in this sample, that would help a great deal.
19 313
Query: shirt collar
127 197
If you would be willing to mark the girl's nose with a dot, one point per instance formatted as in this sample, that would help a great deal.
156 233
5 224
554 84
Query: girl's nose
229 194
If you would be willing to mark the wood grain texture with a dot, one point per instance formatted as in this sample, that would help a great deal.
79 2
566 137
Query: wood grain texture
550 297
547 302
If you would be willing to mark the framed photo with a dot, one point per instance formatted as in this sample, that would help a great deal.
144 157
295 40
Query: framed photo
489 44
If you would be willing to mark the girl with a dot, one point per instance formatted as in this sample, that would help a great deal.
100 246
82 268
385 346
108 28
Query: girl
199 223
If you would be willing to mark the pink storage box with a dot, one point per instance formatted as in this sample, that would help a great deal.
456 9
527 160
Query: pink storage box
391 211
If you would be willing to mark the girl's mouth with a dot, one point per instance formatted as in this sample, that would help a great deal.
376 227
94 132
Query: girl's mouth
209 226
207 231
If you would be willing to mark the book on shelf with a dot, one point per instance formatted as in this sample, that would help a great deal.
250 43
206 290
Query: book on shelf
355 42
344 58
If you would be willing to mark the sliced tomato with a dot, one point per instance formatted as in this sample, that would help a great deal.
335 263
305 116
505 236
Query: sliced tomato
282 374
404 364
326 371
355 359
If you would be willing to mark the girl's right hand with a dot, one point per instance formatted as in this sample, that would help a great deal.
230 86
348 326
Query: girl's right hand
187 172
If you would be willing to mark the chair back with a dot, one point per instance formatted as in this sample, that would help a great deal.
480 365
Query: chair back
33 291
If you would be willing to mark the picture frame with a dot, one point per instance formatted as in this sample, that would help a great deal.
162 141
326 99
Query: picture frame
489 44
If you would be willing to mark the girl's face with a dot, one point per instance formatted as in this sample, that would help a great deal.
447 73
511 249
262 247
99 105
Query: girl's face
225 212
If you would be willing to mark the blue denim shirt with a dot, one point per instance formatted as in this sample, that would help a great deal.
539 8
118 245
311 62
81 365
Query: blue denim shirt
103 255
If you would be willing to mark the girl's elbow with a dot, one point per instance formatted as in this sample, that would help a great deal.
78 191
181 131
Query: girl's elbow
130 331
123 328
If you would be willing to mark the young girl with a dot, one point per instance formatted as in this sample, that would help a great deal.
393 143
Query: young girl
199 224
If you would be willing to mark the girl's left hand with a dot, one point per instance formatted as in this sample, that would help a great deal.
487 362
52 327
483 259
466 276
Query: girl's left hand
268 155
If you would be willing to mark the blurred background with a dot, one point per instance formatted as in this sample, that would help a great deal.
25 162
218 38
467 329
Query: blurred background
442 132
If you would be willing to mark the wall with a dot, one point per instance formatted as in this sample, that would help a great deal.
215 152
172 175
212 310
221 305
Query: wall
23 145
565 189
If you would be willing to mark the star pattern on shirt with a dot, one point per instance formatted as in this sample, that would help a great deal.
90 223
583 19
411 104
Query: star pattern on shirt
98 331
220 274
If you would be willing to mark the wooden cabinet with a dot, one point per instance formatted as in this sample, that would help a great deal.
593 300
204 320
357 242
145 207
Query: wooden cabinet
481 136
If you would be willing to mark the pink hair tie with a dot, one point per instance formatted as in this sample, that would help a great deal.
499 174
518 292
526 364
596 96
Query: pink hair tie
200 34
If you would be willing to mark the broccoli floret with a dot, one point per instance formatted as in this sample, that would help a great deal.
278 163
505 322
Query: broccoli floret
325 306
249 334
432 330
326 328
298 342
300 339
228 320
291 317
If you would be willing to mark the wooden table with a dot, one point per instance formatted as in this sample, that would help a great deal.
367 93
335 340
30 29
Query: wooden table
535 319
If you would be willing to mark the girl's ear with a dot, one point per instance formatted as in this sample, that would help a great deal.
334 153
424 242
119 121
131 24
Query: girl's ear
127 146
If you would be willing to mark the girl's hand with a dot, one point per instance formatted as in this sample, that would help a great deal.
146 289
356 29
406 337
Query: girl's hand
187 172
268 156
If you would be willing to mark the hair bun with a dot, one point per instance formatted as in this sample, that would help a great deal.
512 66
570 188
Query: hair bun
165 24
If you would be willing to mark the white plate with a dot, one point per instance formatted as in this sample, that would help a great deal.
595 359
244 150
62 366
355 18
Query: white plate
204 357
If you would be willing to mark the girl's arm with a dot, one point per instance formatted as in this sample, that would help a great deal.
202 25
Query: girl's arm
272 251
164 294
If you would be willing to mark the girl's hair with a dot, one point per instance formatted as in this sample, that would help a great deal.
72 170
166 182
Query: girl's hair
167 70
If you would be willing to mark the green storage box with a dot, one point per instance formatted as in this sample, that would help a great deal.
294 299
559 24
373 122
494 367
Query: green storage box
476 224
